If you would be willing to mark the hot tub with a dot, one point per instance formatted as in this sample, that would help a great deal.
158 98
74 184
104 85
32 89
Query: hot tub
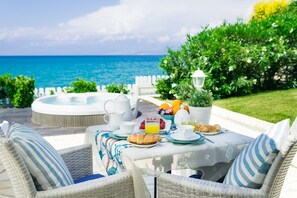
73 109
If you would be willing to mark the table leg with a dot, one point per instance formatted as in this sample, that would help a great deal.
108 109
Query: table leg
155 187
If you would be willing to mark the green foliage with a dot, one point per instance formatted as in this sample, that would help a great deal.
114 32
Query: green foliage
114 88
52 92
82 86
23 91
163 88
5 85
201 98
238 59
20 90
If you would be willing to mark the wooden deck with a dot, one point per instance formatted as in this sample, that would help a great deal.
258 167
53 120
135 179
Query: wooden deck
24 116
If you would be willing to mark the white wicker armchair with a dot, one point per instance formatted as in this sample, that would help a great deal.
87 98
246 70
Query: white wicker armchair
79 162
177 186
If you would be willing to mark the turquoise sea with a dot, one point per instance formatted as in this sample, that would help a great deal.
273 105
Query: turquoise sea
60 71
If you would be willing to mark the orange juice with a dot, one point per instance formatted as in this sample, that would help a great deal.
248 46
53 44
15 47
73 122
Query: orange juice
152 126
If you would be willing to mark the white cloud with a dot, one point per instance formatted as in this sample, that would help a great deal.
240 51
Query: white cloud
153 21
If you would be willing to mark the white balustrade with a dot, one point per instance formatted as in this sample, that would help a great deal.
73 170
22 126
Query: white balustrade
144 85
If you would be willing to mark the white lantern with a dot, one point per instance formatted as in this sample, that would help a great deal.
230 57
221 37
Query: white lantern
198 79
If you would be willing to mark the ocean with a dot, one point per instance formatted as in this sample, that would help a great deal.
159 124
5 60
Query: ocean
60 71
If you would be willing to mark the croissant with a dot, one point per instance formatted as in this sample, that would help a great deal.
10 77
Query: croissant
139 138
208 128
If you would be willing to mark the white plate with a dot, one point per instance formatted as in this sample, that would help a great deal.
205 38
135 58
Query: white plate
144 145
180 137
210 133
167 126
120 133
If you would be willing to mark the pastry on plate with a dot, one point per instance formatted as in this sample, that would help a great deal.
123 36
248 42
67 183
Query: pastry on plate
139 138
208 128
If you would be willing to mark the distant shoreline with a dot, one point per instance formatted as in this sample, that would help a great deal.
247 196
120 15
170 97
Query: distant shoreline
75 55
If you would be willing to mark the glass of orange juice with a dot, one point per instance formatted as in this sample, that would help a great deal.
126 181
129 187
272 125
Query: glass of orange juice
152 125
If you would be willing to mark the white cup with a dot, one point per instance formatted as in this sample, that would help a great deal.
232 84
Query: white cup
127 127
114 120
187 130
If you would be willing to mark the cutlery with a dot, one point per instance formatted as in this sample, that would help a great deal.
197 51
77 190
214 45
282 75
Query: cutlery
209 140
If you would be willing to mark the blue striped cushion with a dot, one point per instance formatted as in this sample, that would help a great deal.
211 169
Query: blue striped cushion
47 168
251 166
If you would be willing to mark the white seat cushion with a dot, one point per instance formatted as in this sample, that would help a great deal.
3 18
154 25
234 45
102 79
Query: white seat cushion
250 168
47 168
292 138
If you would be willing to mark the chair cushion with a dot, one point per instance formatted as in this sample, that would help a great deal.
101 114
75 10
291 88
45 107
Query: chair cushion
249 169
47 168
291 139
87 178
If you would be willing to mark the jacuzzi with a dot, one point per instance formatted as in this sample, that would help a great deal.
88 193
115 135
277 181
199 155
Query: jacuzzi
73 109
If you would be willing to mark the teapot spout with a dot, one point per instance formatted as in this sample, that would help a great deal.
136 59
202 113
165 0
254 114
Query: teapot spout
135 111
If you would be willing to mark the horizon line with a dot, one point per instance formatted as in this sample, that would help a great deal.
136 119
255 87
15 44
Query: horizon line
94 55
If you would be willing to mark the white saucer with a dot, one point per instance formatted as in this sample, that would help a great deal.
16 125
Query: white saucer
180 137
121 133
210 133
144 145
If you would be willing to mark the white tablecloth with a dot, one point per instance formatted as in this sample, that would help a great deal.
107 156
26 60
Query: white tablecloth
167 156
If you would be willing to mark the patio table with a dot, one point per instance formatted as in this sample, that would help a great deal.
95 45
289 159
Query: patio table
211 157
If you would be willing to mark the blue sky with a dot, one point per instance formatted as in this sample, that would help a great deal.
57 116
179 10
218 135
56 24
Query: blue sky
108 27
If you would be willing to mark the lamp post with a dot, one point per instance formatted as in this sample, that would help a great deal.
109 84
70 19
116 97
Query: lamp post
198 79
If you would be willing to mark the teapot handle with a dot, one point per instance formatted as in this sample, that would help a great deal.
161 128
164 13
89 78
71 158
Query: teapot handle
105 105
105 118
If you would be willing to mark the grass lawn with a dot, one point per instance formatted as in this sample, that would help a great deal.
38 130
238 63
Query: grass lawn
271 106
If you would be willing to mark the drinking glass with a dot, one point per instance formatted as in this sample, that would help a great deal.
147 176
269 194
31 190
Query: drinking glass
152 125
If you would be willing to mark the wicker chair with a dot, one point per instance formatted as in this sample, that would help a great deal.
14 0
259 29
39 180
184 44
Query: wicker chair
177 186
79 162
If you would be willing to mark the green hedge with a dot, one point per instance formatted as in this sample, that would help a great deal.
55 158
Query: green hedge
82 86
114 88
238 59
20 90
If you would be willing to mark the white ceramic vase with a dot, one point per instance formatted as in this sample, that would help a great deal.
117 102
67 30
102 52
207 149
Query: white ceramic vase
200 114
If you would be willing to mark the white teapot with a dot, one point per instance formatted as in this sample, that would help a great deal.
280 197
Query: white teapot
122 104
181 116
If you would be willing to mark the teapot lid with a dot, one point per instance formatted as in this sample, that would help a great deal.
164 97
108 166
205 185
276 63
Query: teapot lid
122 97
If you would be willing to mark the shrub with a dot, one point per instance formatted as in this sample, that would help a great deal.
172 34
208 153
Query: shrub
23 91
114 88
20 90
5 85
82 86
164 87
239 58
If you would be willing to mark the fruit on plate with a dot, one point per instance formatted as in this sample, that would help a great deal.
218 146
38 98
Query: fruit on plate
166 109
165 112
162 124
208 128
165 106
143 139
176 103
